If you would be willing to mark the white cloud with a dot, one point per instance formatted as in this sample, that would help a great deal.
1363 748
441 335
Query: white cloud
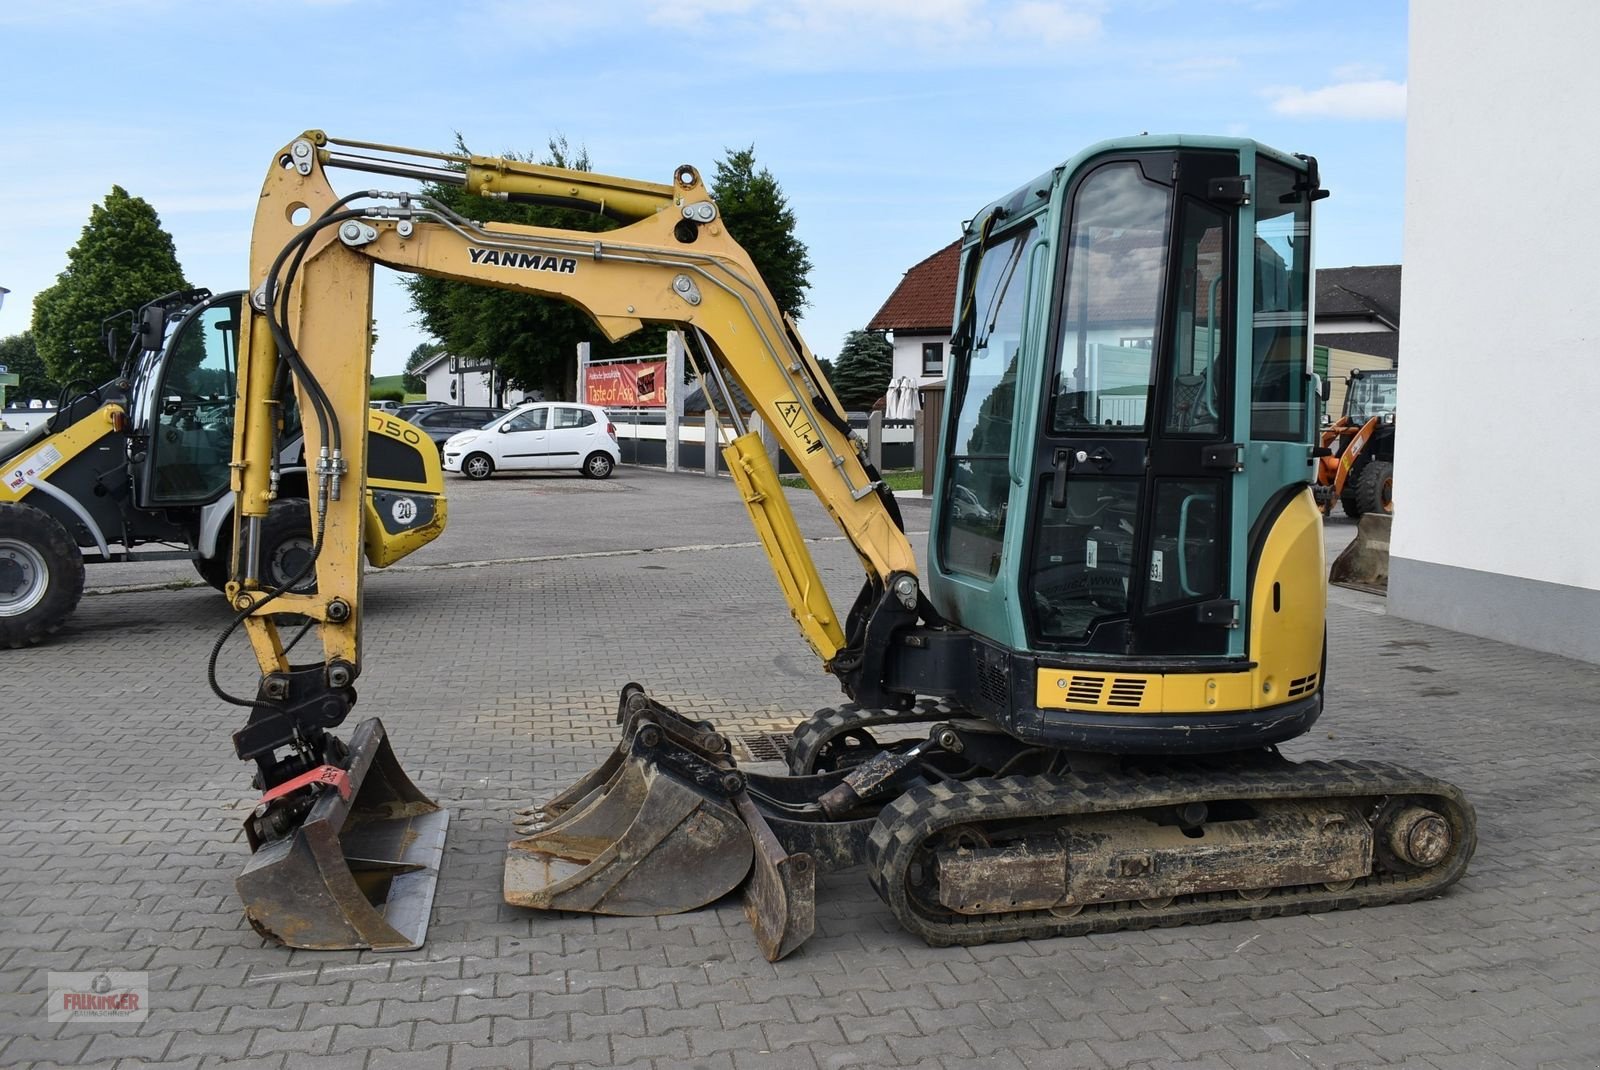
1195 67
1357 72
1373 99
831 33
1053 23
697 12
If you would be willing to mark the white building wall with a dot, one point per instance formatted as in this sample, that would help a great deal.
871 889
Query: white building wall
1352 327
472 388
908 356
1496 510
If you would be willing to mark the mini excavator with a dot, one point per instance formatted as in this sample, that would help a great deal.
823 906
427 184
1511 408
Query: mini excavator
1067 726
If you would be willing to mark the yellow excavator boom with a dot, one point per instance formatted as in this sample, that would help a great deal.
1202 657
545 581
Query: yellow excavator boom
312 257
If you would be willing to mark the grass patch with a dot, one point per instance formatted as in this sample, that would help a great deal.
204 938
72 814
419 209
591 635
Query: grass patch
901 479
382 383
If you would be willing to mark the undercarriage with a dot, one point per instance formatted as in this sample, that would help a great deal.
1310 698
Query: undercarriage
971 836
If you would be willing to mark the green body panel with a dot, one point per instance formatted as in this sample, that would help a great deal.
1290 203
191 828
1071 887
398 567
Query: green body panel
995 609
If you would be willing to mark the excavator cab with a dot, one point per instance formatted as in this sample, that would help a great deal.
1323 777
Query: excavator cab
1129 420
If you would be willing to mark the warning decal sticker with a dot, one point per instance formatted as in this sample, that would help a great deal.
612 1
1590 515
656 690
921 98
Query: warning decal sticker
795 418
32 467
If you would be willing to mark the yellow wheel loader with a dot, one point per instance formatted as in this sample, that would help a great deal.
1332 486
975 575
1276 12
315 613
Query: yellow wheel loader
137 469
1121 617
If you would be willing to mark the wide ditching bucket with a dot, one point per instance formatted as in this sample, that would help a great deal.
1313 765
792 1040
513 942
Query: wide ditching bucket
664 825
361 869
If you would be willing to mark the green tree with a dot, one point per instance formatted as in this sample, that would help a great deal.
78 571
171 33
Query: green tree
122 259
21 357
531 341
862 372
424 351
758 217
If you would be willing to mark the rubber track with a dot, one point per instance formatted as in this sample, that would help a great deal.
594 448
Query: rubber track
920 813
827 724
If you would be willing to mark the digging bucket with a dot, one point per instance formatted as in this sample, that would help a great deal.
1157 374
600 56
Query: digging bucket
1364 564
662 835
361 870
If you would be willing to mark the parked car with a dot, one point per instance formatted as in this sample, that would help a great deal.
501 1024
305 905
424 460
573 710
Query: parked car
445 420
413 409
539 435
385 406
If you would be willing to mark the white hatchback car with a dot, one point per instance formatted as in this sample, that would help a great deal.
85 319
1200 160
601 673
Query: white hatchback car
539 435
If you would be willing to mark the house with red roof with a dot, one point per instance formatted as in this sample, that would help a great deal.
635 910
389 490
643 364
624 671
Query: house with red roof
919 316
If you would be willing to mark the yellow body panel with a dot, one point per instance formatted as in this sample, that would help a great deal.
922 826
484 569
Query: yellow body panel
1149 693
1289 605
54 451
1289 601
384 547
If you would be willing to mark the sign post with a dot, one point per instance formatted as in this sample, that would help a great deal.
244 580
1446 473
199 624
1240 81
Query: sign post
674 395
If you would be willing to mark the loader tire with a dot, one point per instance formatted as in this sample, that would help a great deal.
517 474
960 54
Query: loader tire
1375 487
287 541
1350 496
214 570
41 575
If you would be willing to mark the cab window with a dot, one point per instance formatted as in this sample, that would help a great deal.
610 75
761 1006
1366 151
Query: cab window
566 417
1282 281
192 443
532 420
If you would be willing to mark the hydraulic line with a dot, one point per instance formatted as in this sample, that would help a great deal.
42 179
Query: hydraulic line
327 421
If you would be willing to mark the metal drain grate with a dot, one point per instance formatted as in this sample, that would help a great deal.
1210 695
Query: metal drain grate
762 747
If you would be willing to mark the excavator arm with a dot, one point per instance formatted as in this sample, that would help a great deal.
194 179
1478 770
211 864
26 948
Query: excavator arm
671 260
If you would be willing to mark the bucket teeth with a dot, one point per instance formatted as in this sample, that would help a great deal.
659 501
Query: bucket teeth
357 872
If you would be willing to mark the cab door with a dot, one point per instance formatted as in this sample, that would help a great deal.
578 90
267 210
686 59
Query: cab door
523 440
185 409
1130 520
573 437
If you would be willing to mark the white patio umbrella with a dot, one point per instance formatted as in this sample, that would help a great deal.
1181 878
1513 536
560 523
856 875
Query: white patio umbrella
902 402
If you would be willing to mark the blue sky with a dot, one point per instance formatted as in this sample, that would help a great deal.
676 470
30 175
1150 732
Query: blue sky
887 123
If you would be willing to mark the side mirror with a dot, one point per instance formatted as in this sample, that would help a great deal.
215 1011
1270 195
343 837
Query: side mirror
152 327
1321 387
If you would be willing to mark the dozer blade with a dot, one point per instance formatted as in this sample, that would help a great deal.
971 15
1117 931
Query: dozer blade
780 899
361 869
661 836
1364 564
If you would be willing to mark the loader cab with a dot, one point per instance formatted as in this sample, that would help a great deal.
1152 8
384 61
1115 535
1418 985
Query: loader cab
1130 401
1369 394
183 405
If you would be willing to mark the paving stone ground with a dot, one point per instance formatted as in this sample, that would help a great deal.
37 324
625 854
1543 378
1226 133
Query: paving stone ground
120 809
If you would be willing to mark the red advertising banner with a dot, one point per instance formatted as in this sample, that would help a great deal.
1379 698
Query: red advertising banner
627 386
